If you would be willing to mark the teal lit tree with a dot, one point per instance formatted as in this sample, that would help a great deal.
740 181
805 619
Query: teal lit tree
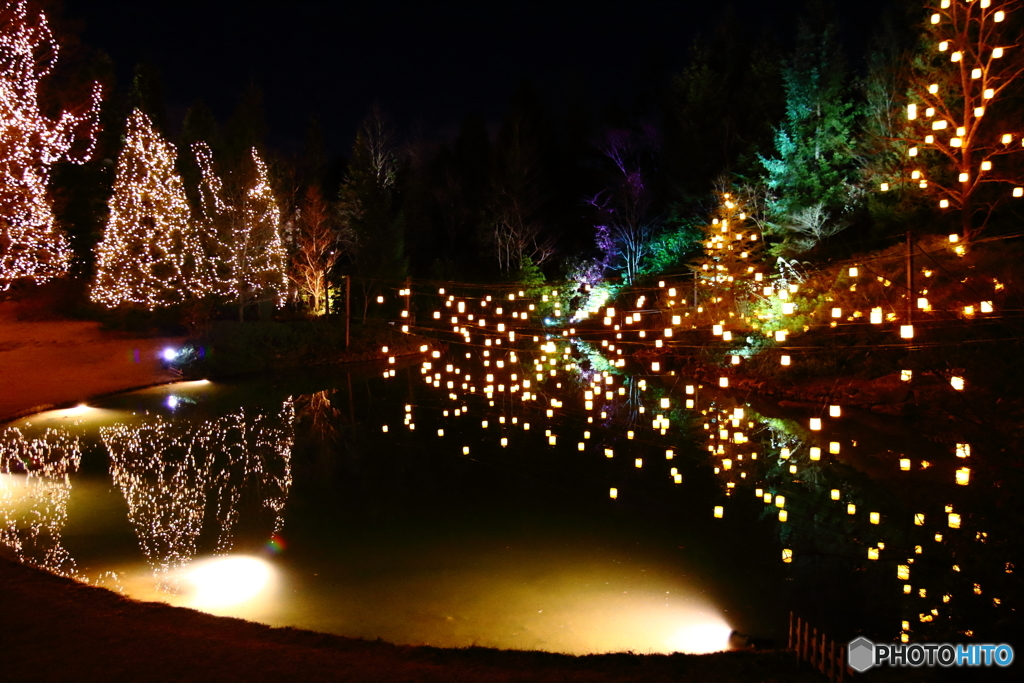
812 178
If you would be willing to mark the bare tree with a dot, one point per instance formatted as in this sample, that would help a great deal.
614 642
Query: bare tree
318 245
516 232
961 129
625 224
813 224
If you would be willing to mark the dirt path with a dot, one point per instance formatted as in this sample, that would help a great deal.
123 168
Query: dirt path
49 363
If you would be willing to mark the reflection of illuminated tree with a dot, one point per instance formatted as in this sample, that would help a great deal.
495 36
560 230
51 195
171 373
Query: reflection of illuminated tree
34 530
163 474
169 470
319 415
258 451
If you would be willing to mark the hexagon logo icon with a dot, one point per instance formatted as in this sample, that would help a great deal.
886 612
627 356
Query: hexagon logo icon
860 654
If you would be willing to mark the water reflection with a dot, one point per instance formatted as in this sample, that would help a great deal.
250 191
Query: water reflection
35 485
537 490
876 522
173 473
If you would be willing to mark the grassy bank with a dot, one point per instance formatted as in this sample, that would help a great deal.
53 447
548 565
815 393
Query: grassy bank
228 348
54 629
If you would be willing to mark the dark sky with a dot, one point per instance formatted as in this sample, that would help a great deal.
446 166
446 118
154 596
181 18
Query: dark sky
429 63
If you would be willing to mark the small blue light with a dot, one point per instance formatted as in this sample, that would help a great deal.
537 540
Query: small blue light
172 402
169 354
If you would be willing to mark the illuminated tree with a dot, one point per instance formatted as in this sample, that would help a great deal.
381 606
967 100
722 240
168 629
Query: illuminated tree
149 255
731 268
626 222
239 225
32 246
258 259
962 128
318 247
214 221
815 166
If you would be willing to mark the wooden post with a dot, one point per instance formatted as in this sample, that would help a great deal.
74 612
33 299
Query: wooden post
408 301
822 660
910 280
789 632
802 639
348 308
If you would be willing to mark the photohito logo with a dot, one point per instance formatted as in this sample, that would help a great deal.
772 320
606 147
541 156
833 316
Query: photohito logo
862 654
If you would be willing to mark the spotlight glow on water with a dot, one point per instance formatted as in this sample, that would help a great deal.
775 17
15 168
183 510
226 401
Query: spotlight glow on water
700 638
228 581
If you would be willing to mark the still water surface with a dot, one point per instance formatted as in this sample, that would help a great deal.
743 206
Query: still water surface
532 498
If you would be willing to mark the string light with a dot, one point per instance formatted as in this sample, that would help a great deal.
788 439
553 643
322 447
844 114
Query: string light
258 254
33 247
33 531
149 255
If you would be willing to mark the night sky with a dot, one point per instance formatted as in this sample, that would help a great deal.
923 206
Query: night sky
430 64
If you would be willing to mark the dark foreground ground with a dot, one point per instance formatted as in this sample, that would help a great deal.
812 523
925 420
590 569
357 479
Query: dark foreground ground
54 629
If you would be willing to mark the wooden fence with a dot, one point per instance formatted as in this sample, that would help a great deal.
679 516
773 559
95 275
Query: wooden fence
822 653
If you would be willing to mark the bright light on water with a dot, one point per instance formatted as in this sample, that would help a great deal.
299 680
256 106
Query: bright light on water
700 638
228 581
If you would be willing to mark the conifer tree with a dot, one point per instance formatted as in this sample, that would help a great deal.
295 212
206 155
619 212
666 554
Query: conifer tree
368 206
32 246
731 267
815 166
149 255
214 222
258 259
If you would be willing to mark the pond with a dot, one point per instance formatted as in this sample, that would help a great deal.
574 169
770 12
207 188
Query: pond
532 495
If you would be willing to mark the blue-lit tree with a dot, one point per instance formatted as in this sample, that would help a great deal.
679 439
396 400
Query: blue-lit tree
812 178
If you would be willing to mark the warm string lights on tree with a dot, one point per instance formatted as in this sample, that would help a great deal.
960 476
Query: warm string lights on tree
214 221
258 258
731 266
33 514
150 255
174 473
32 246
959 132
